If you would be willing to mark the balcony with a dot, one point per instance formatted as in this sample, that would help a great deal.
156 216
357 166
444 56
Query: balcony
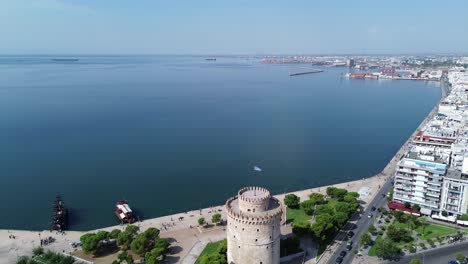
433 194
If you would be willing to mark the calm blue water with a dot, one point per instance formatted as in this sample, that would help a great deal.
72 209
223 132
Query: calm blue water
172 134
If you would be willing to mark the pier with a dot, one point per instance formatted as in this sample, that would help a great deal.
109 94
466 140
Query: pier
305 72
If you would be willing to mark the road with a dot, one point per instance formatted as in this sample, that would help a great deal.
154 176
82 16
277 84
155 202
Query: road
362 224
437 256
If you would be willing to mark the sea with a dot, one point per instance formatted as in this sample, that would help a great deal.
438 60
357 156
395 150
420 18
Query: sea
177 133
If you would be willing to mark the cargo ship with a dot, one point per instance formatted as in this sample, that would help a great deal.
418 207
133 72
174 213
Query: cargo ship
60 215
210 59
124 213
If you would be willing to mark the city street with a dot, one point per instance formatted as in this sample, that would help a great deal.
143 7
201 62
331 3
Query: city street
362 225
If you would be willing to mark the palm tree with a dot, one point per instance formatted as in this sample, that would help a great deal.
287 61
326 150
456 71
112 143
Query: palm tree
424 223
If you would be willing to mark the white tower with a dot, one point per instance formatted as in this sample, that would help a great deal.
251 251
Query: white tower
253 228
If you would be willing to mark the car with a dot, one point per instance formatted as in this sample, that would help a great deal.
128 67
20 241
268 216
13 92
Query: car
373 208
349 247
339 260
452 262
370 215
350 234
383 195
350 243
343 253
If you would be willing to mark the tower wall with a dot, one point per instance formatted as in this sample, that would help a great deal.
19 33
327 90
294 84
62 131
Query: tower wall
253 238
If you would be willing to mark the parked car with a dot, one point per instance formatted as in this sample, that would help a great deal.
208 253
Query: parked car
350 234
349 247
370 215
373 208
343 253
339 260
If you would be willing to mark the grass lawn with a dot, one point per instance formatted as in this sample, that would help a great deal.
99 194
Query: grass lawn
209 249
296 215
372 249
431 231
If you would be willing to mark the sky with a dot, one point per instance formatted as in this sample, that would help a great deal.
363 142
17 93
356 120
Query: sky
254 27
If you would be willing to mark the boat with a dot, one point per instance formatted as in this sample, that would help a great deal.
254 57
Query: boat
211 59
124 212
60 215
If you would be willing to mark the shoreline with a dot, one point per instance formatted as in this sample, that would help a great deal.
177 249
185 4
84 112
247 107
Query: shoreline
185 232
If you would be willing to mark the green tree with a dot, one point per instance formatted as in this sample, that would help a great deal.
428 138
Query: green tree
201 221
143 242
37 251
325 209
124 256
366 239
308 207
431 242
139 244
351 200
398 234
386 248
460 257
371 229
216 218
340 219
416 207
102 235
422 245
344 207
158 253
444 213
323 227
114 233
23 260
331 191
89 242
399 216
410 247
423 223
407 205
301 228
317 198
126 237
336 193
415 261
463 217
291 200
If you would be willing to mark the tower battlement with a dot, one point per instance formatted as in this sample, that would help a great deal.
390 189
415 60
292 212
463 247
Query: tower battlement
253 229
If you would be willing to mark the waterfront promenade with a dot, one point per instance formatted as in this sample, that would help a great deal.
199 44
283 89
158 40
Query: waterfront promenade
182 228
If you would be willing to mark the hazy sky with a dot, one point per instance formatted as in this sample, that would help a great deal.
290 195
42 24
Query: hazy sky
232 27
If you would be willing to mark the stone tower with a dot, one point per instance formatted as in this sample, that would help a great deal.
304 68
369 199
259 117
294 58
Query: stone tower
253 227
